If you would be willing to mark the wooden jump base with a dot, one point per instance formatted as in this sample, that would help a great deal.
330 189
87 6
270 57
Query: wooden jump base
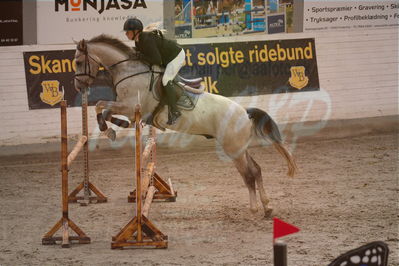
164 191
65 222
88 188
140 231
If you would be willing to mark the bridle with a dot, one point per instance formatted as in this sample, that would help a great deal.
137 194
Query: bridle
87 71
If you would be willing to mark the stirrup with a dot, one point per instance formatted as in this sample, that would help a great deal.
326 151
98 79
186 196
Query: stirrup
173 116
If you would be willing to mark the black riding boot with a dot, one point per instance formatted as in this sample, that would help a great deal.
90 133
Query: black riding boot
173 112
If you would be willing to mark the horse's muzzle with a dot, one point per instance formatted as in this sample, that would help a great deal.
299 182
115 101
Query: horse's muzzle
81 84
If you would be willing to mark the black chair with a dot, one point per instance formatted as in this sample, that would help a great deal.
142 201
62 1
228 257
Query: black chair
371 254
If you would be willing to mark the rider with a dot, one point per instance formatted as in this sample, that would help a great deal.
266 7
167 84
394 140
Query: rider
157 50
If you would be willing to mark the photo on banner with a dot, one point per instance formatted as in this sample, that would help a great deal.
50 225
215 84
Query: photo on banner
221 18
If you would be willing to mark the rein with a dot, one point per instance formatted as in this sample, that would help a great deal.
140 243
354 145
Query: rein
88 73
130 76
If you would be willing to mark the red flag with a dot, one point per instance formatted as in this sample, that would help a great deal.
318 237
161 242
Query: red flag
281 228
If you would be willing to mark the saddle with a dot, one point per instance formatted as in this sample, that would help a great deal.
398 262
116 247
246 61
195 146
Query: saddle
187 91
189 83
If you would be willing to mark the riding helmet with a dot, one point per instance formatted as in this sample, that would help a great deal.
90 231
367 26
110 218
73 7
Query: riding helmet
133 24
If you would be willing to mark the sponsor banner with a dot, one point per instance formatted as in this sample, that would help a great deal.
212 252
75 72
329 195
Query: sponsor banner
228 69
11 22
62 21
336 15
254 68
49 79
218 18
276 23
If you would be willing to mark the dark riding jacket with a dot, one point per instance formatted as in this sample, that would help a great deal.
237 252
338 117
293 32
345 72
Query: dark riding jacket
155 49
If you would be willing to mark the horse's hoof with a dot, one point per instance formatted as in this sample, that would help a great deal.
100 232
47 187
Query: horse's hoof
253 210
110 133
268 212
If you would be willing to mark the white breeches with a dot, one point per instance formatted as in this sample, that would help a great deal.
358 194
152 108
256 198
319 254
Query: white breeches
173 67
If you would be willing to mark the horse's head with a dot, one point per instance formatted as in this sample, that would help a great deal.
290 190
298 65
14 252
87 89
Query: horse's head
86 66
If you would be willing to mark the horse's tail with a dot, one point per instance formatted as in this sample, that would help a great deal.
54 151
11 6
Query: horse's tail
266 127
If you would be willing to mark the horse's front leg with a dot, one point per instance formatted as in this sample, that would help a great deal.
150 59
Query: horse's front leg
108 115
100 106
112 108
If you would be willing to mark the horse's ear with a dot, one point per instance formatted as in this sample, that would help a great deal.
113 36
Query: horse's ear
82 45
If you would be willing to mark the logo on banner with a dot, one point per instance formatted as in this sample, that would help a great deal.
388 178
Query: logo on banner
99 5
276 23
298 78
51 93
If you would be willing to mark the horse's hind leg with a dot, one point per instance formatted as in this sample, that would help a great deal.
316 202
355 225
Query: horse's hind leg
251 173
257 172
241 163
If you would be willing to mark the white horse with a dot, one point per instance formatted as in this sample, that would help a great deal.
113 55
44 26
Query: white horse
213 116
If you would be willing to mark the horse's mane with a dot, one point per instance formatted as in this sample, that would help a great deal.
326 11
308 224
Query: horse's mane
116 43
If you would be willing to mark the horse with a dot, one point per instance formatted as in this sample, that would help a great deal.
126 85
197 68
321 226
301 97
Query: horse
214 116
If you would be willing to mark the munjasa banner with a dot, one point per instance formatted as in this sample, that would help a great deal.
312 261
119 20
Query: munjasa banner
254 68
62 21
50 79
